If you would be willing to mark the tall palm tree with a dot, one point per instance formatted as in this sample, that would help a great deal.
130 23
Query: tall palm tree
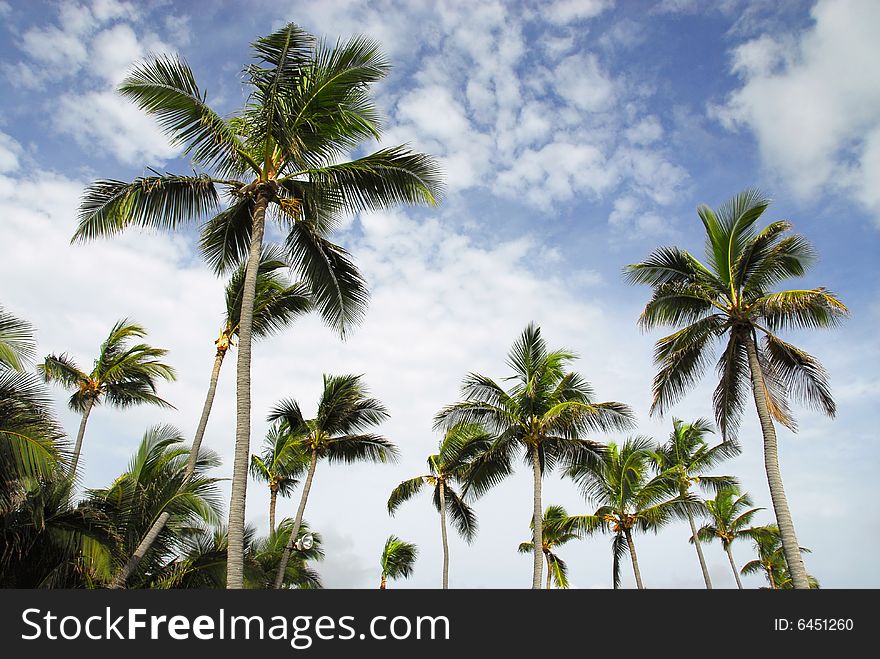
684 456
543 416
123 375
557 532
447 468
730 299
731 519
279 466
283 155
276 304
771 559
336 434
17 345
397 561
628 498
156 483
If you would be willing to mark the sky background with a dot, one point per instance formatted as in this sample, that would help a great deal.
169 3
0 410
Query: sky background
576 137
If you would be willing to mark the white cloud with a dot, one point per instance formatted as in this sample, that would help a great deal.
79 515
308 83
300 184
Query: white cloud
9 153
647 131
815 108
563 12
580 80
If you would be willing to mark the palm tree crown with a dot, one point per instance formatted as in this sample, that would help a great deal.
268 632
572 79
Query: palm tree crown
558 531
279 465
397 560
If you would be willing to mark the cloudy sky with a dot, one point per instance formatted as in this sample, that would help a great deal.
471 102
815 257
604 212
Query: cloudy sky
576 136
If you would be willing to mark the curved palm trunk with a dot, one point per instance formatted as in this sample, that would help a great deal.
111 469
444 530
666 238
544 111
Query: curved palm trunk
635 559
90 402
770 578
285 557
549 572
443 535
699 547
729 552
131 564
273 499
537 521
238 498
790 545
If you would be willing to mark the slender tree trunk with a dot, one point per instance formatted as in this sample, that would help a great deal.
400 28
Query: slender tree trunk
770 578
699 547
273 499
443 535
790 546
729 551
285 557
635 559
131 564
383 583
238 498
79 436
537 521
548 573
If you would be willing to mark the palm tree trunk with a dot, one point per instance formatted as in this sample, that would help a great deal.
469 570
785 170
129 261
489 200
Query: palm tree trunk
238 498
635 559
729 551
273 498
790 545
285 557
770 578
131 564
699 547
537 521
382 583
548 574
443 535
79 436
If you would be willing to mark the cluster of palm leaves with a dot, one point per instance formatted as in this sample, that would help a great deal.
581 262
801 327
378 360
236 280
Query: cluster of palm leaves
284 157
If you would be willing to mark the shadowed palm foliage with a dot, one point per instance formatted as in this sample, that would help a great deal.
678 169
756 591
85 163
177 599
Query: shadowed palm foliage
730 300
731 519
336 434
123 375
397 561
277 303
156 482
683 458
447 469
17 346
771 559
279 465
543 416
283 155
265 554
557 531
628 498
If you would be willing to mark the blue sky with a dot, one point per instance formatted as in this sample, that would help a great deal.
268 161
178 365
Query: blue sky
576 136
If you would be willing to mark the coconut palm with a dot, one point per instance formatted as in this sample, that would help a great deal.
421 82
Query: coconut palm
731 519
730 300
17 345
448 468
276 304
156 483
336 434
283 154
628 498
265 553
771 560
683 458
279 466
397 561
123 375
557 532
543 416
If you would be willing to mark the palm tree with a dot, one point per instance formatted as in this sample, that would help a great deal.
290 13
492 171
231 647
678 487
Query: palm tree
628 499
265 553
279 465
309 107
17 345
731 519
730 299
557 532
544 415
683 456
336 434
276 304
123 375
398 558
771 559
446 469
156 483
